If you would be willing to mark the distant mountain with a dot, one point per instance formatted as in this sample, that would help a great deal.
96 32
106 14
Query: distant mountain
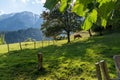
18 21
22 35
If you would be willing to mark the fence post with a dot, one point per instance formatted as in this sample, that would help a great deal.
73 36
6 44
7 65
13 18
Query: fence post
104 70
53 42
40 59
117 65
48 42
8 48
42 43
20 45
98 71
34 45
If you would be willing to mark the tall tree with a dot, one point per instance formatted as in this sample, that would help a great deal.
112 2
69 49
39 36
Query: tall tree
68 21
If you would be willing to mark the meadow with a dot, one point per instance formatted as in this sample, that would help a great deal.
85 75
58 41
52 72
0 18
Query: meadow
61 61
25 45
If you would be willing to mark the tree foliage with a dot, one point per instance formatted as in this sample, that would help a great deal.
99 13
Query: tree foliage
51 28
57 22
115 19
94 11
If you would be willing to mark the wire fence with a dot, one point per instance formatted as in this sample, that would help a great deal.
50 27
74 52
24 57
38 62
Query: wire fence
25 45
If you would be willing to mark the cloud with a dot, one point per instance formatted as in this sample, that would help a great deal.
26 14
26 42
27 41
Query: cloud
25 1
33 2
1 12
43 1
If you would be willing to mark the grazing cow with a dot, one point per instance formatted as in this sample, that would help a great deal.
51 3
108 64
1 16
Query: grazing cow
77 36
26 44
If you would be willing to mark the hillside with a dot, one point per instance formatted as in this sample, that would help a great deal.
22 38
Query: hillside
22 35
18 21
74 61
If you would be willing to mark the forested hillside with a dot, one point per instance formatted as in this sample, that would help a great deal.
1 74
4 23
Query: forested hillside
22 35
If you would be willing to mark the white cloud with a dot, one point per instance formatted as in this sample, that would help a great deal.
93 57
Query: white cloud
25 1
1 12
33 2
38 2
43 1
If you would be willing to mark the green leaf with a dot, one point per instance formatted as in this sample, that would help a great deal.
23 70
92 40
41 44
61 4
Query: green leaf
103 22
81 7
50 4
87 24
102 2
104 11
93 16
90 19
78 9
63 5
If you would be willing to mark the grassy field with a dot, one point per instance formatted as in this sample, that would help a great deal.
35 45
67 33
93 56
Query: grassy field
74 61
26 45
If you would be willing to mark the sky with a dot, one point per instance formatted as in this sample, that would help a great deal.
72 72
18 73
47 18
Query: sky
14 6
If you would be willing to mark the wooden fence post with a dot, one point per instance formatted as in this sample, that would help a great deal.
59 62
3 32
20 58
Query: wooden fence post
40 59
104 70
48 42
98 71
34 45
42 43
53 42
20 45
8 48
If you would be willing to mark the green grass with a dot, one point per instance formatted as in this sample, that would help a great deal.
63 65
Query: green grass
74 61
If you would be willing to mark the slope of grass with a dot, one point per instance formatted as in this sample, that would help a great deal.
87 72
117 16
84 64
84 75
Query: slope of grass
74 61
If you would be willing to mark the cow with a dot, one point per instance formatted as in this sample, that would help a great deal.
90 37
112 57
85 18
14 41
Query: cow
77 36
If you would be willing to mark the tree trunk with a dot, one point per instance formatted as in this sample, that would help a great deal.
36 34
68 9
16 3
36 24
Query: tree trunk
40 59
101 32
68 36
90 32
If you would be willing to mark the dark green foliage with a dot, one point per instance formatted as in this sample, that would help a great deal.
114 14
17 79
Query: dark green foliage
49 2
98 29
52 28
115 19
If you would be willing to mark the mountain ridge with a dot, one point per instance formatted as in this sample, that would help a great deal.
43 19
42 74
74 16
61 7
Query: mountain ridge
20 20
